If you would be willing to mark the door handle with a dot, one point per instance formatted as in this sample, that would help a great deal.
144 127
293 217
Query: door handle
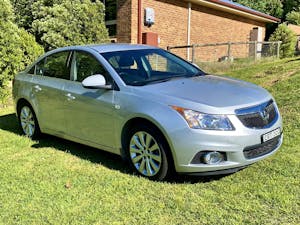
70 97
37 88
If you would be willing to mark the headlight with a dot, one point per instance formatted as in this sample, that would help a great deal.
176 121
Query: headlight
197 120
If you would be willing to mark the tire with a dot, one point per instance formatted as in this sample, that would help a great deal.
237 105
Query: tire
28 122
147 152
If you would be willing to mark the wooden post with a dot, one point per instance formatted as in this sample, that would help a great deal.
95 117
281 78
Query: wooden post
193 53
278 49
255 50
229 51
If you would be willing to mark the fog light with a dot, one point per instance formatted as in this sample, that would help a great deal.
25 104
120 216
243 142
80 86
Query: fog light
212 158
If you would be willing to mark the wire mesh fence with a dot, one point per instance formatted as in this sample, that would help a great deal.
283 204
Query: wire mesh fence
229 51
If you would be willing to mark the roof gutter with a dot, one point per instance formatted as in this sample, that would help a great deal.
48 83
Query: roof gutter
237 10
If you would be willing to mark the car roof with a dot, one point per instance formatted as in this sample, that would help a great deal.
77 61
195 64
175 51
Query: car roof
102 48
118 47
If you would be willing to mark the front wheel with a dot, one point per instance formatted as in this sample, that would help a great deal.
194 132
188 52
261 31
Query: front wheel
148 153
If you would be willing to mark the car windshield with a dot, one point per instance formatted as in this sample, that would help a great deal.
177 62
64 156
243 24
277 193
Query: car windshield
148 66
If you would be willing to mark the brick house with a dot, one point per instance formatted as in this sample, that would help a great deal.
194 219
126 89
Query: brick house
184 22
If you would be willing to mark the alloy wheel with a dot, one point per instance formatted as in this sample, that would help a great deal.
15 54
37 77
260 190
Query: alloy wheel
27 121
145 154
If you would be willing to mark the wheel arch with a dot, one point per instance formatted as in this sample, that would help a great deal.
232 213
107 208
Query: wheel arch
140 120
24 102
20 102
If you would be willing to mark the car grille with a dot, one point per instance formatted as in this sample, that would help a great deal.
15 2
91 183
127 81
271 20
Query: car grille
258 117
262 149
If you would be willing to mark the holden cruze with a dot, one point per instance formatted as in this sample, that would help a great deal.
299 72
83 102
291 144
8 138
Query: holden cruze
151 107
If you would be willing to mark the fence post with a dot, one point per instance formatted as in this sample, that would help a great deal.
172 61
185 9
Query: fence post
229 51
278 49
193 53
255 50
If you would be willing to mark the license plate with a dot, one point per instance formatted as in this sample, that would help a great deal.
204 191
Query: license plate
270 135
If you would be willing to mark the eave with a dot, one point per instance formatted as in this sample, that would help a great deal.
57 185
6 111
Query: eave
236 10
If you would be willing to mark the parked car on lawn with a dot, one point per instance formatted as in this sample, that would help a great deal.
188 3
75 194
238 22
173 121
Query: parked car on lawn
153 108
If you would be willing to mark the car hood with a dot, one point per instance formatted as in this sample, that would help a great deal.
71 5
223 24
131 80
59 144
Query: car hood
208 93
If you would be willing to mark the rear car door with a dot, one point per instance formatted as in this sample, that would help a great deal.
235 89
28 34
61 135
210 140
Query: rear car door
51 73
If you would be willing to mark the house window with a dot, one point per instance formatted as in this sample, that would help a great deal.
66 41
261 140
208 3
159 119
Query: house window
111 16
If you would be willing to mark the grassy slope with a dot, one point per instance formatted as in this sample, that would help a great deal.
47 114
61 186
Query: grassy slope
53 181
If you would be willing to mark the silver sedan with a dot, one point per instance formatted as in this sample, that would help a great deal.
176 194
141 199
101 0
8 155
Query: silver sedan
156 110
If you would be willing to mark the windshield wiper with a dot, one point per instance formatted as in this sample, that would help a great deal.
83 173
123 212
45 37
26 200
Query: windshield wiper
144 82
198 74
159 80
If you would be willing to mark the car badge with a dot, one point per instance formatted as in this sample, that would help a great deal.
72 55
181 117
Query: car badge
264 113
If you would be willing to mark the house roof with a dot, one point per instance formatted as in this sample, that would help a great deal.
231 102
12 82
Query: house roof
237 9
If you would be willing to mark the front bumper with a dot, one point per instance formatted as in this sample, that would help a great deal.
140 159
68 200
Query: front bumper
187 143
217 172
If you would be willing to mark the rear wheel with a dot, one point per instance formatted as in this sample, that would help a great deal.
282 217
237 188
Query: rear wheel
148 153
28 121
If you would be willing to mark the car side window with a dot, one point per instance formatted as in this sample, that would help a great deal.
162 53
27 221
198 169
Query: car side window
39 67
31 71
56 65
87 65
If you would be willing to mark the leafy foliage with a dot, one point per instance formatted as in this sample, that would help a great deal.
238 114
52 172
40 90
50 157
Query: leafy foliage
271 7
70 23
23 12
293 17
17 48
54 23
26 9
291 5
288 38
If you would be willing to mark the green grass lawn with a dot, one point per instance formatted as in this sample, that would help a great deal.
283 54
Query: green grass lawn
53 181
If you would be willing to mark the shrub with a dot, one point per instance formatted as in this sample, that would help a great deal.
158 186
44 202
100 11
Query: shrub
70 23
288 38
293 17
17 48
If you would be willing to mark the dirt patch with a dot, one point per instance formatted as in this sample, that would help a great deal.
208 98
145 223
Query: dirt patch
283 76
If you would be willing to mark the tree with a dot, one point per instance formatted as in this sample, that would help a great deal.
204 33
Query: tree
65 23
271 7
291 5
288 38
17 48
293 17
25 10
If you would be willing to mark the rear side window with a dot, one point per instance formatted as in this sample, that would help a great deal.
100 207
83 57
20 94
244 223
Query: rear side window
56 65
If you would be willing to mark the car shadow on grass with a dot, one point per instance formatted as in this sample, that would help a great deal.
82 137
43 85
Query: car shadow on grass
9 123
294 60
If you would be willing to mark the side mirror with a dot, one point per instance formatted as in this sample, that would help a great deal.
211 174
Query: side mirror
96 82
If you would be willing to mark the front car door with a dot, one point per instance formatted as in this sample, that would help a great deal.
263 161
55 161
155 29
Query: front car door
89 112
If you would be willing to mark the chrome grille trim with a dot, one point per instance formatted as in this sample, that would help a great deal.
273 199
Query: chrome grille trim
260 116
